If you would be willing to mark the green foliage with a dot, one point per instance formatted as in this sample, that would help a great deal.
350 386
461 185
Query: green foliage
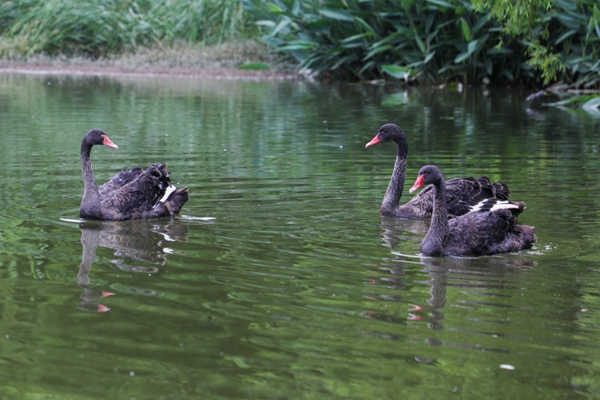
562 36
588 103
435 40
439 40
517 17
550 64
100 27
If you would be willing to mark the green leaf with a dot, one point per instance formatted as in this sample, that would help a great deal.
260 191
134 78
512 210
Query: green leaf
428 57
366 26
440 3
344 60
571 100
394 37
396 71
299 45
565 36
273 7
296 8
461 57
472 46
596 19
466 30
355 37
256 66
377 51
592 104
337 15
498 51
480 24
283 24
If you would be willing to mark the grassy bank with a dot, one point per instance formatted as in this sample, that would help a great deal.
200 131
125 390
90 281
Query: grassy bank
430 41
180 34
100 28
178 56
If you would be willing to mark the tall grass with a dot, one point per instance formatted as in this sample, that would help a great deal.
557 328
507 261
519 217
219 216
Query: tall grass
101 27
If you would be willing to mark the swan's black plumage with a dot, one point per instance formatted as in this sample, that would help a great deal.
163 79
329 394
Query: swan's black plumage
133 194
461 193
490 228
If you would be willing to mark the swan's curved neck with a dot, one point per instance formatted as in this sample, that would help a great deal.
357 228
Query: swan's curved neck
90 204
393 193
438 230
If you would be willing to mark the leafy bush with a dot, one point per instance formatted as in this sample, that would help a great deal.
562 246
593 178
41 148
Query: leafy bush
433 40
573 36
562 36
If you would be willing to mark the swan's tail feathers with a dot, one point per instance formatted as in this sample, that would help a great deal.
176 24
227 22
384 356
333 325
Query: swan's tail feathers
497 190
175 200
526 235
502 190
170 189
160 171
164 172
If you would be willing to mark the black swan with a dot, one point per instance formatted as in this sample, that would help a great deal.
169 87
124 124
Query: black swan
133 194
461 193
489 228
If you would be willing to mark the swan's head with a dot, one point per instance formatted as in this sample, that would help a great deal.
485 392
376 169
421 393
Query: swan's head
97 136
428 174
388 132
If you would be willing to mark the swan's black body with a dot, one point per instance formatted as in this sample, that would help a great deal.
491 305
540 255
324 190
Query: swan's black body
461 193
133 194
490 228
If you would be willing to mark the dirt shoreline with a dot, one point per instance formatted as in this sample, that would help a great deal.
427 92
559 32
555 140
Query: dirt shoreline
149 71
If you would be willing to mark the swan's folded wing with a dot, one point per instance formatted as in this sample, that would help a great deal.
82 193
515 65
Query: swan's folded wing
118 181
462 194
139 195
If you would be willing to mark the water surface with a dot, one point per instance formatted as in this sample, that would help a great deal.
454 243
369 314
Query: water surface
280 279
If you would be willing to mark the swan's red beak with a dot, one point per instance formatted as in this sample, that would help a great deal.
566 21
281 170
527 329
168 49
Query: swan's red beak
108 142
418 183
373 142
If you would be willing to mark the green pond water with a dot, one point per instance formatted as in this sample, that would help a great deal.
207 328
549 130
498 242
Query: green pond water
280 279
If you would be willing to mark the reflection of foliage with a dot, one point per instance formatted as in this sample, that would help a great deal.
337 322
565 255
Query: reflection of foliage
589 103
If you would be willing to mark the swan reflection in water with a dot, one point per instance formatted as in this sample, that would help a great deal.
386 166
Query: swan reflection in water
478 277
398 230
141 246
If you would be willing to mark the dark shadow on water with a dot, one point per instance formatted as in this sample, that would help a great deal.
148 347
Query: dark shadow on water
135 243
